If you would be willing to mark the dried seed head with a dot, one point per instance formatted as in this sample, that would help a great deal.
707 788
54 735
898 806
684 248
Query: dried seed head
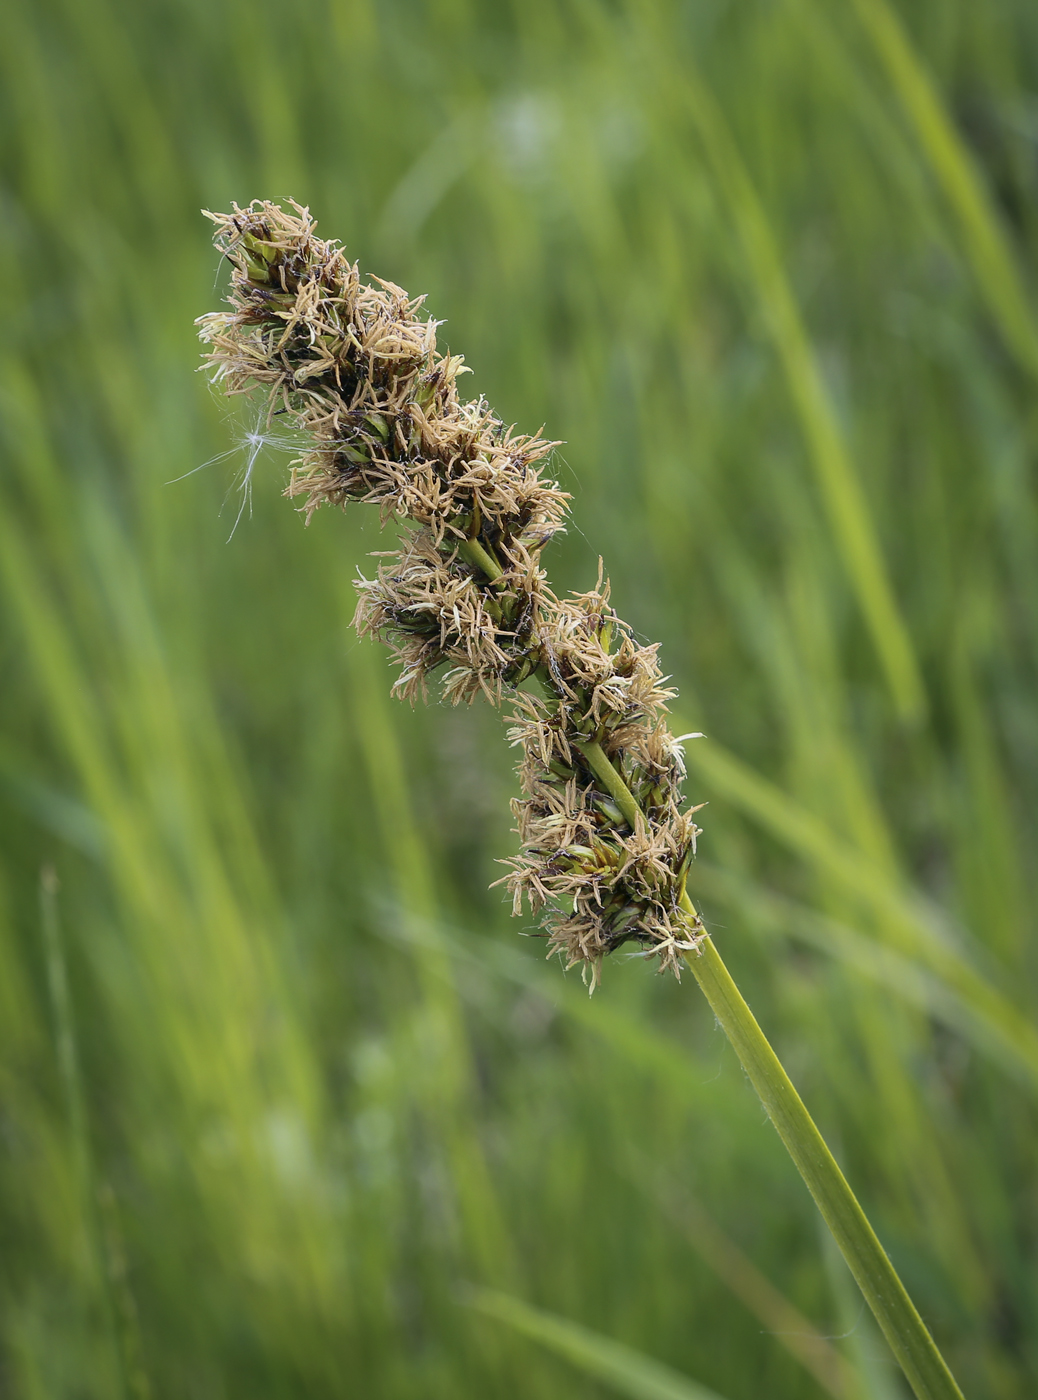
356 368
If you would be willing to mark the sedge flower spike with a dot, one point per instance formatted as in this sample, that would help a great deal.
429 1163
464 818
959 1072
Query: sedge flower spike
606 842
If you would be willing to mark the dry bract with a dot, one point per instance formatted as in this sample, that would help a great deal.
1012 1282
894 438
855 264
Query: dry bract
356 367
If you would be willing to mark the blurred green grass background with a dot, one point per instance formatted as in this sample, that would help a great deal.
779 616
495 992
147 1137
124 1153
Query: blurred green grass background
278 1078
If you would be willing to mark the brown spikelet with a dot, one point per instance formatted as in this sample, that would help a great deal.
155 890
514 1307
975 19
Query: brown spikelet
356 368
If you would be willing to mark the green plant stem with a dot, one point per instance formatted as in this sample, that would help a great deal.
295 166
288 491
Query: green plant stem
904 1329
884 1292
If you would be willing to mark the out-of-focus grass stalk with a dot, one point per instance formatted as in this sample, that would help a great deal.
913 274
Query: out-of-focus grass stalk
620 1367
989 253
88 1186
487 1238
778 1316
912 927
841 490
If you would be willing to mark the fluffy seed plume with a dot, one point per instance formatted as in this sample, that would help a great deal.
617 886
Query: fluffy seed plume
606 846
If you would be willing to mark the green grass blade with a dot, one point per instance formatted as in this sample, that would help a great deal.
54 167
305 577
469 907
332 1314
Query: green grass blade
620 1367
1002 1025
845 501
913 982
987 247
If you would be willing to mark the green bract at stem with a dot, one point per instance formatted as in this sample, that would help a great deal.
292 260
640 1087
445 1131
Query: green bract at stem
475 554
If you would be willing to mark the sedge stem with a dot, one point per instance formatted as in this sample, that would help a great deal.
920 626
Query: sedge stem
898 1318
882 1289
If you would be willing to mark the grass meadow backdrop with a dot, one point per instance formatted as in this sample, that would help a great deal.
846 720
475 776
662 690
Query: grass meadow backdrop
288 1108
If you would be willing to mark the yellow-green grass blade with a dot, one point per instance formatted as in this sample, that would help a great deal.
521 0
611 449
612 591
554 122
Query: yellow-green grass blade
913 982
845 501
621 1368
987 247
445 1052
1001 1025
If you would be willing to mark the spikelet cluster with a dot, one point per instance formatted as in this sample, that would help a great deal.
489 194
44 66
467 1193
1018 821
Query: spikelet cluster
355 366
